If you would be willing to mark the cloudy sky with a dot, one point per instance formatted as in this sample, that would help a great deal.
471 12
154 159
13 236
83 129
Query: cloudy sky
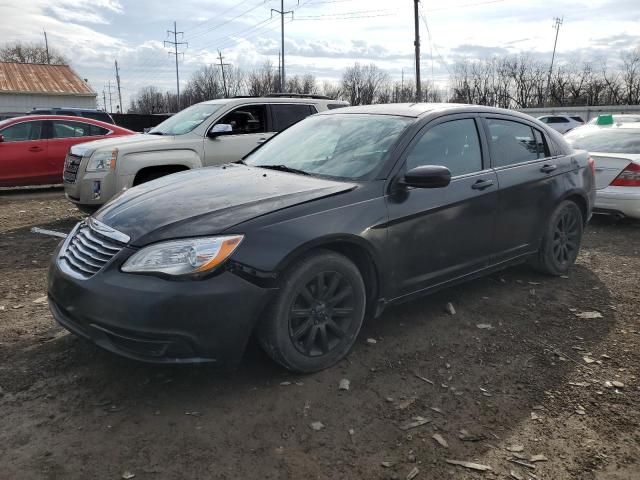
323 37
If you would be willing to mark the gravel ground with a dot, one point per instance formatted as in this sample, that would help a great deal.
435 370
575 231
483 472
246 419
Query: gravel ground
515 381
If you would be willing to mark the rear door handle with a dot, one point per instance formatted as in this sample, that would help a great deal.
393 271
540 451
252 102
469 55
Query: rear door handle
482 184
548 168
35 149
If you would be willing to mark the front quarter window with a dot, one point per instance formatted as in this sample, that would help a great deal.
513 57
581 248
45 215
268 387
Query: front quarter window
186 120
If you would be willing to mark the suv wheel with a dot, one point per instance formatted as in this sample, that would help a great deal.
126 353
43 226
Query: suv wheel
316 317
561 241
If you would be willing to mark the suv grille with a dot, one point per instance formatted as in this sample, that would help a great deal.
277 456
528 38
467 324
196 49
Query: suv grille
88 251
71 166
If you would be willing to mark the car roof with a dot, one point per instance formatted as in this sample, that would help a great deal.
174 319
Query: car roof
416 110
33 118
71 109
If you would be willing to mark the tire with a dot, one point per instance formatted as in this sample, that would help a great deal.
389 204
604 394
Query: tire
561 241
316 317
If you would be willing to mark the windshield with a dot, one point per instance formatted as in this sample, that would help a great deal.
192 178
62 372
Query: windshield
606 140
186 120
349 146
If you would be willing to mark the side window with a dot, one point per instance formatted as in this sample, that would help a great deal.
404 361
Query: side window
543 150
66 112
454 145
22 132
95 130
558 120
511 142
544 119
247 119
333 106
67 129
286 115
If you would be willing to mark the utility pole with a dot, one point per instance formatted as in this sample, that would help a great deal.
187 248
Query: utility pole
557 24
175 44
416 43
110 101
104 99
118 82
46 46
282 14
224 81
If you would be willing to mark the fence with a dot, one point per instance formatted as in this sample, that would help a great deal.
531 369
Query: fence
138 122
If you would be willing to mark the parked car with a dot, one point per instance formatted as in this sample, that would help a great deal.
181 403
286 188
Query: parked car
33 148
562 123
209 133
616 151
608 119
92 113
338 216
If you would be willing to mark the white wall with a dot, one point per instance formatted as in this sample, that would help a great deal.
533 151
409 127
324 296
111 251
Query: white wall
12 102
586 113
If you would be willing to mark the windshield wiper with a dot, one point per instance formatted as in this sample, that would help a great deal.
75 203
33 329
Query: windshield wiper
283 168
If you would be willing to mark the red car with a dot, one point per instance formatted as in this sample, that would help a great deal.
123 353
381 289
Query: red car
33 148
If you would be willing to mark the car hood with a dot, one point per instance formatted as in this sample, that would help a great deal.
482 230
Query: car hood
138 141
208 201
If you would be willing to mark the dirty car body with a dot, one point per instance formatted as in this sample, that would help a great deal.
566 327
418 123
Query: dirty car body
403 239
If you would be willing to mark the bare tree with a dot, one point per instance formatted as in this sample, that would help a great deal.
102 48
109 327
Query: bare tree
20 52
362 84
149 100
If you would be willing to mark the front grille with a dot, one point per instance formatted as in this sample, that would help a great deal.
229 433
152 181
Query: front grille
71 166
87 251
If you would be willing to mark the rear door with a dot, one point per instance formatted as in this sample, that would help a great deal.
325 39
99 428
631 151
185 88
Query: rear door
250 128
439 234
531 181
23 154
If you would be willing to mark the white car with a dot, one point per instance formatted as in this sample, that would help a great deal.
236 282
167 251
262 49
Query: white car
562 123
616 152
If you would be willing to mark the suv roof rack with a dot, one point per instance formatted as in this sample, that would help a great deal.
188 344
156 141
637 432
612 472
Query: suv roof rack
287 95
299 95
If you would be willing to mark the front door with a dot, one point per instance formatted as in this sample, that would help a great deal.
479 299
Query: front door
440 234
249 130
23 155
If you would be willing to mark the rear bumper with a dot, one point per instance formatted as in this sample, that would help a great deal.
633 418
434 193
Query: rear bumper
618 200
155 320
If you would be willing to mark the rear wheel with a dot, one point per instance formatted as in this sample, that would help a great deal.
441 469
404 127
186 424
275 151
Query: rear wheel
561 241
316 317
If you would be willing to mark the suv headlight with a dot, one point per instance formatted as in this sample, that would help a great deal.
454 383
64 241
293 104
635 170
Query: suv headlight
103 160
183 257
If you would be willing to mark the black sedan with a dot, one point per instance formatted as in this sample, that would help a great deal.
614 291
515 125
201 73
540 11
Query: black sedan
327 223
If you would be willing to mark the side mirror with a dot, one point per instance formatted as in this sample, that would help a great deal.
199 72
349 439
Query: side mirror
220 129
427 176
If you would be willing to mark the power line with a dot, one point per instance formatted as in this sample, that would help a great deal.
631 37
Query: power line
175 44
215 27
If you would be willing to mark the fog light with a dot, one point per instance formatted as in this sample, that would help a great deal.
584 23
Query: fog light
95 191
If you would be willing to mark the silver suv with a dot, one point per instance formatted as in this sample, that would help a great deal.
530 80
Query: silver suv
209 133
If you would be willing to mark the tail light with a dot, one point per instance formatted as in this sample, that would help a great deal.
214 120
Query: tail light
592 165
629 177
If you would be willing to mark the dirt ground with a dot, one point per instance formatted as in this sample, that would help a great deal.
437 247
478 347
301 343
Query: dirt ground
514 369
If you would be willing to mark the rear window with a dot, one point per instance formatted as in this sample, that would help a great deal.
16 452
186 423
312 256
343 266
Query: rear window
606 140
557 120
578 119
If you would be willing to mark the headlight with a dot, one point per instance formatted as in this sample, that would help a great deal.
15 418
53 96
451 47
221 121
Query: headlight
183 257
103 160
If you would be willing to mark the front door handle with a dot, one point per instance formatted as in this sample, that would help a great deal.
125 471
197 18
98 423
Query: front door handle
35 149
482 184
548 168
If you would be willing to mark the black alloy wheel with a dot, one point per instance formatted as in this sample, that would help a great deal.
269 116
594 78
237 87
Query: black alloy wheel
321 313
315 318
561 240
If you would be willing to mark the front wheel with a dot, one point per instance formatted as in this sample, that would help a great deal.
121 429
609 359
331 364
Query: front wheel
316 317
561 241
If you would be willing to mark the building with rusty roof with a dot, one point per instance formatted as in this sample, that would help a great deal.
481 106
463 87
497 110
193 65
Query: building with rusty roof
24 86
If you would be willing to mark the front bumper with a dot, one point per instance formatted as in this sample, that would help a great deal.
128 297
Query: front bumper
92 188
156 320
619 200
